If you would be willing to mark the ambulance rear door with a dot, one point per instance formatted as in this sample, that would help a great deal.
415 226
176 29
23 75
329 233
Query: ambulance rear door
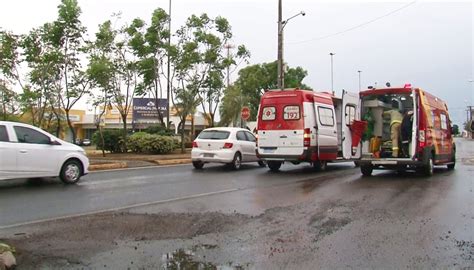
350 112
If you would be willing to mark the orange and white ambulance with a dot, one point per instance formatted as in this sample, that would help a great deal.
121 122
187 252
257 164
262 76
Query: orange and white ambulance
426 137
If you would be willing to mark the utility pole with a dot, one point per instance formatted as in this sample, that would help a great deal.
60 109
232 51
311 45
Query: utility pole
332 73
280 75
228 47
168 84
359 71
281 26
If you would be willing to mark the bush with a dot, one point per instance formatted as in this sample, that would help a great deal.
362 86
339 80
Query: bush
142 142
113 140
159 130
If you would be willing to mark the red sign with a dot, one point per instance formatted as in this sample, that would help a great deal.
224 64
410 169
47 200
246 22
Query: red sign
245 113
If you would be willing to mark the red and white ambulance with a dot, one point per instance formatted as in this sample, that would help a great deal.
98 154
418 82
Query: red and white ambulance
304 126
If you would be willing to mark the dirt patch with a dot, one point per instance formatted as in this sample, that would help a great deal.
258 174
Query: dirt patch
61 241
329 220
467 249
468 161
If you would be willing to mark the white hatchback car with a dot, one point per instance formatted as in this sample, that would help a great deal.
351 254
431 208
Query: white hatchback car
30 152
231 146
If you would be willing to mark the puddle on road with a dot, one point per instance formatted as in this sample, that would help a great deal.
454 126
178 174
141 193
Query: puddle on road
187 259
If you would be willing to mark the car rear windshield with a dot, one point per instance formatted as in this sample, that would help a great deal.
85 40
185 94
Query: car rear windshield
214 135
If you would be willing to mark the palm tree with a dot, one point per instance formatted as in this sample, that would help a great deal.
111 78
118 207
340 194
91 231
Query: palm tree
231 106
186 104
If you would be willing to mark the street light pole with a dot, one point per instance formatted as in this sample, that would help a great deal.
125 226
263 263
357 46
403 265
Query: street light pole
228 47
332 72
280 83
281 26
359 71
168 84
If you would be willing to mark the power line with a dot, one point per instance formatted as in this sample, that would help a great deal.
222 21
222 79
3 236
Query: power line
354 27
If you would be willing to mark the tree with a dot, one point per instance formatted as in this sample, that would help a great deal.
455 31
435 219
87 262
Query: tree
211 37
230 107
201 59
186 105
251 84
10 57
149 45
113 68
67 35
44 77
9 105
455 130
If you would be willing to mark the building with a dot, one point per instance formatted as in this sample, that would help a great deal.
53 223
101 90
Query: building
85 123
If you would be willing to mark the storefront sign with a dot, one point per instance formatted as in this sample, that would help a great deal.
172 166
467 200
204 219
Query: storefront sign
147 108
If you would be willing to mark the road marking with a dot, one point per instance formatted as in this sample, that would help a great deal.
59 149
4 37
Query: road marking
139 168
118 208
126 179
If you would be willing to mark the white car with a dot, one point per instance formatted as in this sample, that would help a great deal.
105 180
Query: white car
231 146
30 152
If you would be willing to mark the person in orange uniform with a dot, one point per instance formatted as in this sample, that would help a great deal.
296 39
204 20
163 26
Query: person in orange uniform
395 122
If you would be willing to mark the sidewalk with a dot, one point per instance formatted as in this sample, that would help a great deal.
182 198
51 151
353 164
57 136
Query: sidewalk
130 160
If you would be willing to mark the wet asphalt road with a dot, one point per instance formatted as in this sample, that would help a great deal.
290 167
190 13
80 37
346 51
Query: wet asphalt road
25 201
295 219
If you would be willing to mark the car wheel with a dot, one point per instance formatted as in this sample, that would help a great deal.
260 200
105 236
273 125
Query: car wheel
236 162
198 165
262 163
274 165
453 160
428 168
71 172
366 170
320 165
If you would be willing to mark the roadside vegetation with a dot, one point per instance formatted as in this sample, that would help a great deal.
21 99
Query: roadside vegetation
46 72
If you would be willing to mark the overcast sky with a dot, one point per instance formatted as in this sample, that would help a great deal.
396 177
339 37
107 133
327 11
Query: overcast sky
425 43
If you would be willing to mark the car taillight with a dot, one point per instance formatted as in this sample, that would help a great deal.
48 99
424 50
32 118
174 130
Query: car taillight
307 137
195 145
228 145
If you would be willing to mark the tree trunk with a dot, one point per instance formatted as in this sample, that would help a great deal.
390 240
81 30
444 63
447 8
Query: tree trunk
71 128
193 131
124 132
102 141
182 127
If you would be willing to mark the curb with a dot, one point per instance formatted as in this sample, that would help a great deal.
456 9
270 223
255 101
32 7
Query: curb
108 166
172 161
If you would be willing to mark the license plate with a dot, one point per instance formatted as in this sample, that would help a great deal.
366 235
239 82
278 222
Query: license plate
268 150
384 162
208 155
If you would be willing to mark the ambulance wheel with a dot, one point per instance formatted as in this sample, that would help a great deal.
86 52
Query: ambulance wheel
366 170
453 160
320 165
198 165
428 168
274 165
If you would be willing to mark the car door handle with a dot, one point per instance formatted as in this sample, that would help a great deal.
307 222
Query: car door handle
23 151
